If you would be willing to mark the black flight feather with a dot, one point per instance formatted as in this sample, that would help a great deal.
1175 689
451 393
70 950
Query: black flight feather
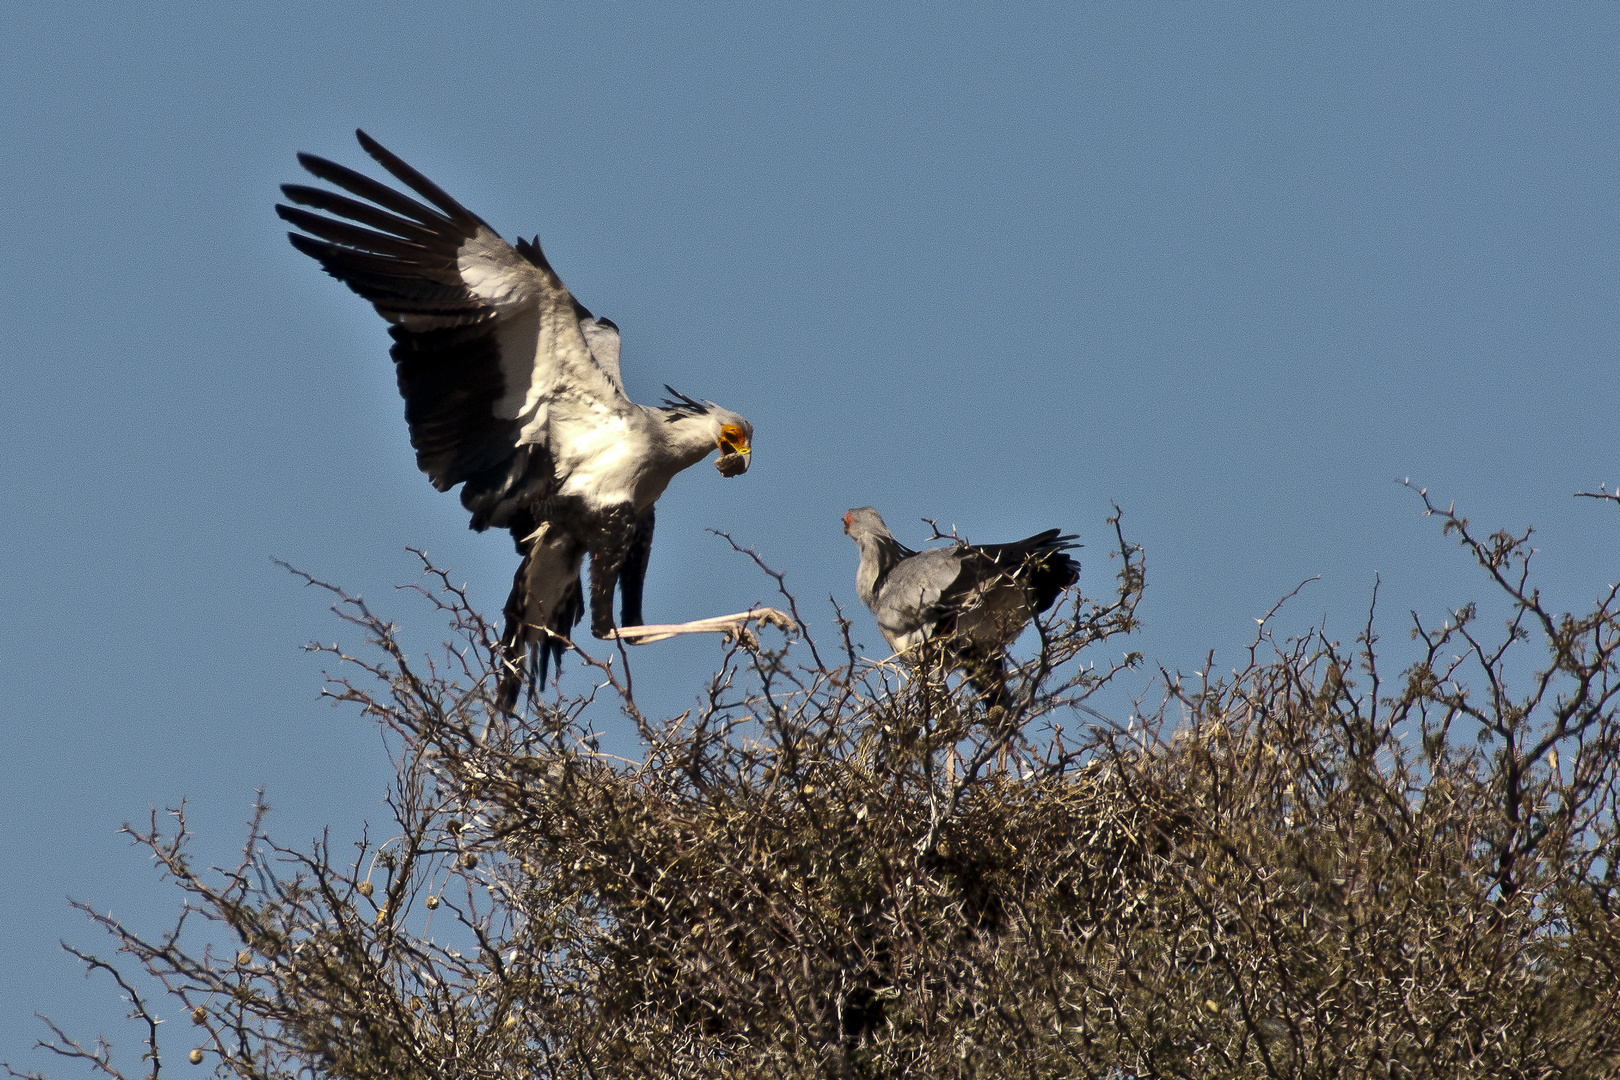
365 214
418 183
375 190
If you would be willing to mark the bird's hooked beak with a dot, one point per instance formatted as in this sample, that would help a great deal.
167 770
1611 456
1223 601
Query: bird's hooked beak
735 451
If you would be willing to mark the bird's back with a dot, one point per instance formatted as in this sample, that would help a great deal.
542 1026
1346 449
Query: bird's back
983 594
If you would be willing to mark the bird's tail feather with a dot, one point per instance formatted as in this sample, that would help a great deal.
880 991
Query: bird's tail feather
529 648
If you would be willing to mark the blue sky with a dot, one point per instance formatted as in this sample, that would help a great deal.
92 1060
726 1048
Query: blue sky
1237 270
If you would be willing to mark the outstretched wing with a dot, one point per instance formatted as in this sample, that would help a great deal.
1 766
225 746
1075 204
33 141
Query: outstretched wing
490 346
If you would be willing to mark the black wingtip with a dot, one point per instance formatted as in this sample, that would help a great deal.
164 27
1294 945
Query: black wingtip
414 180
294 216
314 162
315 249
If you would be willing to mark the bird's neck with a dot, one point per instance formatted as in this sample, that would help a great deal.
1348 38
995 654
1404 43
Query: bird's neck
879 554
675 445
686 439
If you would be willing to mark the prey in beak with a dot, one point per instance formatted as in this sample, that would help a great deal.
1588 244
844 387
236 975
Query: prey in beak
736 449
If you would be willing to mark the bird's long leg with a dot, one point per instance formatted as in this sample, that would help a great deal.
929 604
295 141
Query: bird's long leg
633 575
610 534
986 674
605 568
736 625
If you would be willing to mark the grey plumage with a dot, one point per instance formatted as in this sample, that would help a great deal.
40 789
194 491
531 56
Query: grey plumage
974 599
512 390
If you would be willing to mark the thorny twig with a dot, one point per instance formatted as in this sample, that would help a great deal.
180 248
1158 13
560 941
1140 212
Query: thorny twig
814 871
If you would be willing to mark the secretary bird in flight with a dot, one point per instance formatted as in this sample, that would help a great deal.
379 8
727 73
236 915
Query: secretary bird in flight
512 390
974 599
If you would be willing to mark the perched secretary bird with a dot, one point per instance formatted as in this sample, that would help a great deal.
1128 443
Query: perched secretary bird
512 389
974 599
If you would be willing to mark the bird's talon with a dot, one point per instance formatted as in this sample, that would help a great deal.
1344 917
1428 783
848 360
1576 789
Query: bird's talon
777 619
743 636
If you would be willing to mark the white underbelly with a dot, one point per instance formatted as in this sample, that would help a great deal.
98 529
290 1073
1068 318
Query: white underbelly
605 479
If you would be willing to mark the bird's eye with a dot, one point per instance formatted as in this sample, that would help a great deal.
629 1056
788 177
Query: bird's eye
731 434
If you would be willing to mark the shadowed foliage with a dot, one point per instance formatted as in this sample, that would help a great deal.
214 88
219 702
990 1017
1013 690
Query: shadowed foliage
836 867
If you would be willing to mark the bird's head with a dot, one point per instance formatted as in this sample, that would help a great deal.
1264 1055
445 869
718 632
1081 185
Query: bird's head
862 522
734 437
